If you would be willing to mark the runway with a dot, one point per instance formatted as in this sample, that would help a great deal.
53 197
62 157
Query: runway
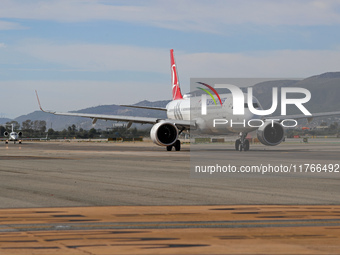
136 198
53 174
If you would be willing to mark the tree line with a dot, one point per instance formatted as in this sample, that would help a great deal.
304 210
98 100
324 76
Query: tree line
37 129
117 132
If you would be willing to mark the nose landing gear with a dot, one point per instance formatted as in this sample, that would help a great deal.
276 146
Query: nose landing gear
242 143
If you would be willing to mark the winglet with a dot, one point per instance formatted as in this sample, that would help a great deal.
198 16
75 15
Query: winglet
36 92
176 90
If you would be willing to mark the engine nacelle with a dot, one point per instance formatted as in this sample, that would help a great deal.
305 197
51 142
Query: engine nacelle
6 133
164 133
20 134
271 133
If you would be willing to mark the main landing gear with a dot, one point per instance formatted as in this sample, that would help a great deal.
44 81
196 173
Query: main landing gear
242 143
177 146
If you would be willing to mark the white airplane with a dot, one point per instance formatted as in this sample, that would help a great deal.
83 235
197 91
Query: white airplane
13 136
185 113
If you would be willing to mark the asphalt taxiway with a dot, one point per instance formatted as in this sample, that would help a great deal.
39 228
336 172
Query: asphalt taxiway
50 174
137 198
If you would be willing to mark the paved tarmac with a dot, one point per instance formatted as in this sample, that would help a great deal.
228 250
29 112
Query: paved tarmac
53 174
137 198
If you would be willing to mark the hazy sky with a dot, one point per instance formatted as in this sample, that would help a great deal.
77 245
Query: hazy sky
83 53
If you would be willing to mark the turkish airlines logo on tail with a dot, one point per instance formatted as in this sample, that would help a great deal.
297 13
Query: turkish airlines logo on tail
176 91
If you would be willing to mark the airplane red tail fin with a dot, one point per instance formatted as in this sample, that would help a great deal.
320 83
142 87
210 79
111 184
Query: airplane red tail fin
176 90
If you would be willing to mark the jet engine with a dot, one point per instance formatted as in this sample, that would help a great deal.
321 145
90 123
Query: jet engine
6 133
20 134
271 133
164 133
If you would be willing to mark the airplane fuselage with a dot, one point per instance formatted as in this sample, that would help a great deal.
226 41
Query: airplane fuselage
13 136
219 119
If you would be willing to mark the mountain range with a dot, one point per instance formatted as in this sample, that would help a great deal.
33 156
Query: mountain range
324 88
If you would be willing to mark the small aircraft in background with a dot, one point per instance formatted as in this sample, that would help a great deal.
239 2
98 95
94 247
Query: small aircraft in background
13 136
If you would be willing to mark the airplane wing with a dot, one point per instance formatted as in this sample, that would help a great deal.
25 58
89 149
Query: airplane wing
302 116
146 107
186 124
